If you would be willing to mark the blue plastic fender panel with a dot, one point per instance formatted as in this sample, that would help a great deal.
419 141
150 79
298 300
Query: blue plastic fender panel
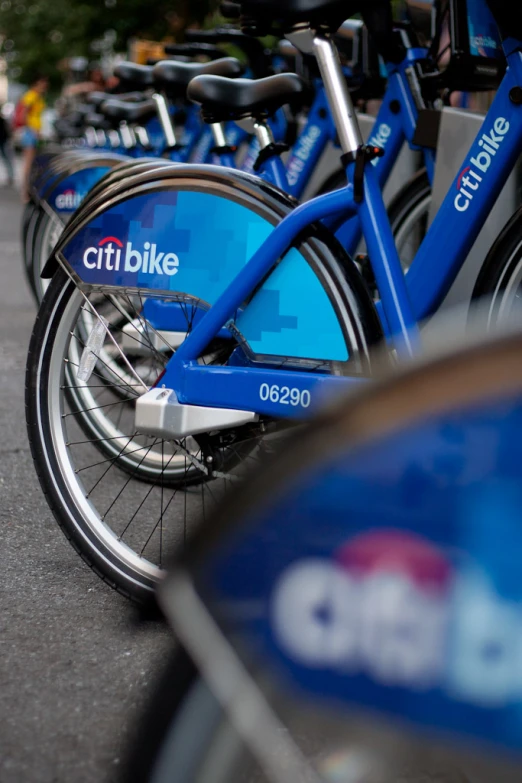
191 243
69 193
389 576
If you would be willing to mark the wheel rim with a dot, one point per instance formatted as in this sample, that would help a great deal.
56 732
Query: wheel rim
137 516
51 234
509 289
411 231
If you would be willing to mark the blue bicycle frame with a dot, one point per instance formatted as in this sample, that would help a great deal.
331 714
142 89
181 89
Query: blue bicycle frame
395 123
403 301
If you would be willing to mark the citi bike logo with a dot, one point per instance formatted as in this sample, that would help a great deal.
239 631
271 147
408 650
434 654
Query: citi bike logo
380 139
111 254
471 178
298 160
390 606
69 199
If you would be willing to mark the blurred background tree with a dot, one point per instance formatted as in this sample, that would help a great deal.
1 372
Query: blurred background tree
36 35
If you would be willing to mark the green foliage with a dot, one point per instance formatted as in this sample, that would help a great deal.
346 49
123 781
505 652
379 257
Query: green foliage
38 34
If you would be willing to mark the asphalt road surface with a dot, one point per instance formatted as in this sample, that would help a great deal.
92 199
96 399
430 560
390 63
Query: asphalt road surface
74 665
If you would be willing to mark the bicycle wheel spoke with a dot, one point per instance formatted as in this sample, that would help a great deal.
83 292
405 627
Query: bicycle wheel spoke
145 494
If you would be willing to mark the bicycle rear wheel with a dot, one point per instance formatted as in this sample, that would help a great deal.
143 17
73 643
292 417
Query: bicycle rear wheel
123 499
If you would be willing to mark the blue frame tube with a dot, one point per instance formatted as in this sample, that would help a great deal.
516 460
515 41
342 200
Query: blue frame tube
200 151
223 159
374 220
388 133
460 219
310 145
273 170
241 388
387 266
193 129
259 265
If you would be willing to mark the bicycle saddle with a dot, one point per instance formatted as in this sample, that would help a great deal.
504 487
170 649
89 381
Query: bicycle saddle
96 98
75 119
253 49
134 76
260 16
173 77
223 99
328 13
66 129
194 50
120 111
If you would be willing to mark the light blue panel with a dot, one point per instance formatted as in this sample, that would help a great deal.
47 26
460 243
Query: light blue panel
291 300
208 240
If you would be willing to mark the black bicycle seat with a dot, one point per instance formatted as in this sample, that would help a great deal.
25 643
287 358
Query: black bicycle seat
98 121
224 99
120 111
253 49
173 77
260 16
96 98
65 129
75 118
134 76
194 50
329 13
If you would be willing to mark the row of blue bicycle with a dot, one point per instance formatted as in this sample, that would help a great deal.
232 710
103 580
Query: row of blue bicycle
195 311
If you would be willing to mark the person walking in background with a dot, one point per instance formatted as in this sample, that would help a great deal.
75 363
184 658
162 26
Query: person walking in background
28 114
5 150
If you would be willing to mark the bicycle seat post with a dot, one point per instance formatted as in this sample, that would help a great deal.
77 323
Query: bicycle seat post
127 135
309 42
164 119
366 191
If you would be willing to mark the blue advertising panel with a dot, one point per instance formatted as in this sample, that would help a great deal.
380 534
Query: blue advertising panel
194 244
67 196
390 576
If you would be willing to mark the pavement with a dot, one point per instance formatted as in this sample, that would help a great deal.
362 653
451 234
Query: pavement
75 665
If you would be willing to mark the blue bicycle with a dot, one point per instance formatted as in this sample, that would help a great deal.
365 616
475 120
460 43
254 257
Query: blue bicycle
198 311
351 613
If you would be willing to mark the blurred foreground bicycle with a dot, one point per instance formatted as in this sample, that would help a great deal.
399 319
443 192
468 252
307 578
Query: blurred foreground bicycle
353 611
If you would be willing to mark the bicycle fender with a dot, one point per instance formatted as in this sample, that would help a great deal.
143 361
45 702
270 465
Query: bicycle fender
183 232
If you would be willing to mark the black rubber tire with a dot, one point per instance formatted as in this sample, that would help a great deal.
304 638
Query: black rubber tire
498 269
40 236
96 550
88 546
405 201
30 217
414 191
407 198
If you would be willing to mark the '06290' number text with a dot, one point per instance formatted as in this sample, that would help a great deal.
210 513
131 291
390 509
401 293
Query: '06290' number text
284 395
